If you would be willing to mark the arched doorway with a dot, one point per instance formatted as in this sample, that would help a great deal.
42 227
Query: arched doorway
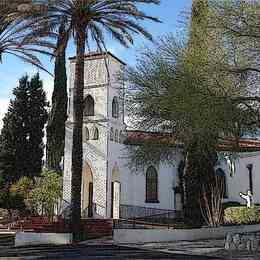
87 192
115 193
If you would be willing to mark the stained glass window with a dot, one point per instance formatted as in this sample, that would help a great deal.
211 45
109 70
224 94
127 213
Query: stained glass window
151 185
115 108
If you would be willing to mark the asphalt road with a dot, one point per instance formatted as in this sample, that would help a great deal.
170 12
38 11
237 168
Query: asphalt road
90 252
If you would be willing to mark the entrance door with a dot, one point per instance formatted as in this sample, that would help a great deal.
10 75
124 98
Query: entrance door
87 192
90 200
115 200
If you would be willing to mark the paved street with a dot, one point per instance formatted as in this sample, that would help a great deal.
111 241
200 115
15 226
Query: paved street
213 248
91 252
108 249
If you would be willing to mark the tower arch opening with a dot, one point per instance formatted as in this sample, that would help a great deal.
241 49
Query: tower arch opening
87 192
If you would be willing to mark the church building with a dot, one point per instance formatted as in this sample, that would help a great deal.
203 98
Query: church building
110 188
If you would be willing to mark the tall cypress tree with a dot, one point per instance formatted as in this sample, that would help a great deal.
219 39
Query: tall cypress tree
58 114
23 130
37 118
201 154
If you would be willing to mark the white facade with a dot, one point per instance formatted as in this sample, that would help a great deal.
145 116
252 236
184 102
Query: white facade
240 181
108 182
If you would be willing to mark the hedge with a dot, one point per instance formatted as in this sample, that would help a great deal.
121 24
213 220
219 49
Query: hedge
242 215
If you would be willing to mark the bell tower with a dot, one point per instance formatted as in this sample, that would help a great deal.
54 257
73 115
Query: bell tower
103 126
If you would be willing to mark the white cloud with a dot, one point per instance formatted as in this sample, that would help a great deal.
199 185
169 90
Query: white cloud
3 109
48 82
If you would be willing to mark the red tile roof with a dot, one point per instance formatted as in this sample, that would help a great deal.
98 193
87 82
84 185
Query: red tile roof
242 145
142 137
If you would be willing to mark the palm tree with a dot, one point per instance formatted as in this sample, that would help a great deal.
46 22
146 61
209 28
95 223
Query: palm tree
89 21
17 39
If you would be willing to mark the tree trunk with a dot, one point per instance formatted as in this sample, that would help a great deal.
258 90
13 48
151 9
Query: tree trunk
77 150
58 115
199 174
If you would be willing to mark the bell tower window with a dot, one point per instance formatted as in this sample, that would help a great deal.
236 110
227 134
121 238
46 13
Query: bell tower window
96 134
85 134
89 106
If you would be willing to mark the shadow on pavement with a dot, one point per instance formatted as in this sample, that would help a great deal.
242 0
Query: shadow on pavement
90 252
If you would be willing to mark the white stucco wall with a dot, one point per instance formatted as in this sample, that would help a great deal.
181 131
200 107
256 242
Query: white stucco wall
240 181
133 183
30 238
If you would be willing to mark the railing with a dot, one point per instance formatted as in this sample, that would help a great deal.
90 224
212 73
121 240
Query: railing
134 217
64 209
131 212
94 210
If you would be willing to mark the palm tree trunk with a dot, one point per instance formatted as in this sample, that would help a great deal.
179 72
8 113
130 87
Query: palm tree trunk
77 150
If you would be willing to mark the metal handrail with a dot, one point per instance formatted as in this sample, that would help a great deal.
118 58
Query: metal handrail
158 215
148 208
137 224
154 220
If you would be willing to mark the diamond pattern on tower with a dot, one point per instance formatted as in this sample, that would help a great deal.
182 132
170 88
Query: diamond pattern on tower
95 72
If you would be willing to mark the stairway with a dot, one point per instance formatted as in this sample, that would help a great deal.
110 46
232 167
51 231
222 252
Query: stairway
7 240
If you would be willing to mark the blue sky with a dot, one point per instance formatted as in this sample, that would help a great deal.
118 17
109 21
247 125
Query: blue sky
170 12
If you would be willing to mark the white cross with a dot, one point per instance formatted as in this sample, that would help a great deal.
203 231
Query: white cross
248 198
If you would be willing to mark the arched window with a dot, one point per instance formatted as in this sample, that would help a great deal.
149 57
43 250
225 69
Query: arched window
151 185
111 134
85 134
116 135
115 108
89 106
222 175
96 134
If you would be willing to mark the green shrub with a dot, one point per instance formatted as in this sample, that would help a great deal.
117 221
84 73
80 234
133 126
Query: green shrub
23 186
242 215
11 201
47 193
4 216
